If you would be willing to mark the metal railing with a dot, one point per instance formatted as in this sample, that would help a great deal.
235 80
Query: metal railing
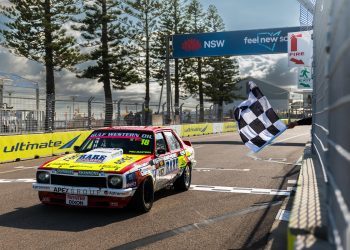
21 114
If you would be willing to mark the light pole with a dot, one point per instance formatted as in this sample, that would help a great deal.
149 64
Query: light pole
73 102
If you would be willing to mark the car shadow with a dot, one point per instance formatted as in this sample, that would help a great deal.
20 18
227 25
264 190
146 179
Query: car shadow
59 218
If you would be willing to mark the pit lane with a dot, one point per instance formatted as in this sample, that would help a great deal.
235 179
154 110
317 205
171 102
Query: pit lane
234 210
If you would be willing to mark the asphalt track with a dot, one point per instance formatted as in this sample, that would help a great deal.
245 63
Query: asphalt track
232 204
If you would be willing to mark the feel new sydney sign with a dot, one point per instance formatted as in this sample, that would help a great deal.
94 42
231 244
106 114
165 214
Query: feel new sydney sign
243 42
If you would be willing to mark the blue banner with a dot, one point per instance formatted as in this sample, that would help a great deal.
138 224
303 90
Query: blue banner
232 43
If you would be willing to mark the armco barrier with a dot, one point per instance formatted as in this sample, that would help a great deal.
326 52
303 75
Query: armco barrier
197 129
20 147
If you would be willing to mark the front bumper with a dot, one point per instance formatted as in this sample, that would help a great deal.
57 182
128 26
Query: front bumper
59 199
106 192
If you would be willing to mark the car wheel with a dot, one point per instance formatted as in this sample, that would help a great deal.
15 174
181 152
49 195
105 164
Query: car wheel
183 183
144 196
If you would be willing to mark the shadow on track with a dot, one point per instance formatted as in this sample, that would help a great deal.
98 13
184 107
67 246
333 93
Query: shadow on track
290 144
45 217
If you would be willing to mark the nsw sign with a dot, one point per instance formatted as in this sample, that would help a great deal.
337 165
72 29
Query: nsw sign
304 78
243 42
300 49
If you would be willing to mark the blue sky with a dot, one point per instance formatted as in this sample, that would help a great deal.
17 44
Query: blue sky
237 15
256 14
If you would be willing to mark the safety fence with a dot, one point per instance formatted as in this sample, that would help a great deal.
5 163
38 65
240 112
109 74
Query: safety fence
19 147
21 114
330 149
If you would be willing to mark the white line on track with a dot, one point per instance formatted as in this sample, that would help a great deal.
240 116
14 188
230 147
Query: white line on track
222 169
240 190
20 168
287 139
23 167
29 180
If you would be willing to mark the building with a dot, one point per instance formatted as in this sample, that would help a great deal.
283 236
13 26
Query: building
277 96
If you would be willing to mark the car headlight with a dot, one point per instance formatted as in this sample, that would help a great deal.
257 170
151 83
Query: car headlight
115 181
43 177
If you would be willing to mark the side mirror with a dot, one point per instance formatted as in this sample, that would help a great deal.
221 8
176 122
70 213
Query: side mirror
161 151
76 149
188 143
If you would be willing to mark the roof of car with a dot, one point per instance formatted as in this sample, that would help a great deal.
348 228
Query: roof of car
137 128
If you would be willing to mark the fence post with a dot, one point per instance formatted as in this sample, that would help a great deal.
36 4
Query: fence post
118 111
181 120
211 113
89 112
143 114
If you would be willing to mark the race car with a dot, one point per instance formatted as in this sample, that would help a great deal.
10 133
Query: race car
118 166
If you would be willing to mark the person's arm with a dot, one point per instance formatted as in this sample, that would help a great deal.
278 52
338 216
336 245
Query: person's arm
305 121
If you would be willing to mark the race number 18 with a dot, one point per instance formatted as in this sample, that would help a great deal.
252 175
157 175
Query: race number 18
145 142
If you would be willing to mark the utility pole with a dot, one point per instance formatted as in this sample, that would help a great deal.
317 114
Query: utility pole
1 93
168 83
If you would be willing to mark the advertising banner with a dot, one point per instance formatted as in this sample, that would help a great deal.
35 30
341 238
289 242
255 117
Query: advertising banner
243 42
229 127
68 140
197 129
300 49
19 147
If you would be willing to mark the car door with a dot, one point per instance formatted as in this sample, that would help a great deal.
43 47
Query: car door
175 148
160 160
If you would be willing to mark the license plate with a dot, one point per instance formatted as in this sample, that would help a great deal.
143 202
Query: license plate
76 200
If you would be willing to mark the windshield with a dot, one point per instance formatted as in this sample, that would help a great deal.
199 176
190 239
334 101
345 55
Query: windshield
132 142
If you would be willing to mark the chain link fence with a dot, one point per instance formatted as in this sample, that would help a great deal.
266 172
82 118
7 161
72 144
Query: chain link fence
20 114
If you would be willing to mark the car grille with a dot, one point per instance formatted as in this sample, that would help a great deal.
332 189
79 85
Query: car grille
77 181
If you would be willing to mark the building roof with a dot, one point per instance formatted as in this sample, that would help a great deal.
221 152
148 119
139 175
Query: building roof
269 89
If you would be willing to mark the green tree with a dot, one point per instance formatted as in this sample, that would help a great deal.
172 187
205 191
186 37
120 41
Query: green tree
105 40
171 21
36 30
194 16
221 73
213 21
145 14
220 82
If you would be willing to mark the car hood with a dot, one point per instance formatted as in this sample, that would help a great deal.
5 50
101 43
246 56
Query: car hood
97 160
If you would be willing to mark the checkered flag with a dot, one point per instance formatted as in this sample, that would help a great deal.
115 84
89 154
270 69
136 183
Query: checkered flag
257 123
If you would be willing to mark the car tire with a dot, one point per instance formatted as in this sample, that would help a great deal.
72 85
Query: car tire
144 197
183 183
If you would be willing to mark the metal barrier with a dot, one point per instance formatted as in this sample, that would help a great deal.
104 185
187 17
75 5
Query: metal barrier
22 113
330 130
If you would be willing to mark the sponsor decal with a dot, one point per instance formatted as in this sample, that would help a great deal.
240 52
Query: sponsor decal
64 171
90 173
131 180
41 188
267 40
92 158
66 190
70 143
27 146
191 44
70 157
